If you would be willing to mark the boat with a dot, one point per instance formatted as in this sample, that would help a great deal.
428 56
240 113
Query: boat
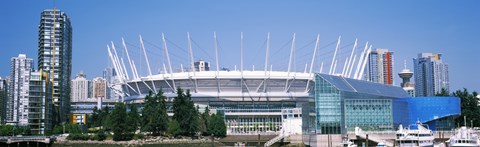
348 143
464 137
421 136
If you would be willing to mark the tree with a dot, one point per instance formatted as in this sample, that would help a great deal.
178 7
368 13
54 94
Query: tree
443 92
154 113
174 128
217 125
469 107
203 121
133 119
162 112
118 124
148 109
67 128
105 122
95 120
185 113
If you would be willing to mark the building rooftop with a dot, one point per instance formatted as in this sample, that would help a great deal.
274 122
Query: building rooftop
366 87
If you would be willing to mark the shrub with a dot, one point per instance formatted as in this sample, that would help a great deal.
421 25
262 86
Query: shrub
138 136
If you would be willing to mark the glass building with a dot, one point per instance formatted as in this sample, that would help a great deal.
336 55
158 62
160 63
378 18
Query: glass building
431 74
437 112
343 104
380 66
3 100
55 45
40 103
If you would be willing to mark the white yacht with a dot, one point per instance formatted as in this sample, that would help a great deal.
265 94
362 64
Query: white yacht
464 137
420 137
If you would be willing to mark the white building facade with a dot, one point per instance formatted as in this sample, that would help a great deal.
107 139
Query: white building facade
79 87
17 103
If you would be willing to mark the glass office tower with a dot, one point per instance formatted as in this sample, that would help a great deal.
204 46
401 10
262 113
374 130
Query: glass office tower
431 74
55 46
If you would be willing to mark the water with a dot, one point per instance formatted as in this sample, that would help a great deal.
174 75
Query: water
145 145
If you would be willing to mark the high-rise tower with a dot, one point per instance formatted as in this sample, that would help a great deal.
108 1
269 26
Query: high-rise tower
3 100
408 86
380 66
80 87
55 58
431 74
99 87
18 99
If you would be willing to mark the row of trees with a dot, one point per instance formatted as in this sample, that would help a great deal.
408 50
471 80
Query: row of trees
468 105
10 130
153 118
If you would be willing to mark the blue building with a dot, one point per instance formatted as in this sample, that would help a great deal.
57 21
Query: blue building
341 104
437 112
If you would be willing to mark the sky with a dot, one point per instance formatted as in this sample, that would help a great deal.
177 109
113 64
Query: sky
407 28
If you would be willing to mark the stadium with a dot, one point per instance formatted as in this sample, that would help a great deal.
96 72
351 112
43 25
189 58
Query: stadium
276 102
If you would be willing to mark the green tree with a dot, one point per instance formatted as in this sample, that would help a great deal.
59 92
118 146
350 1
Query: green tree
174 128
154 114
133 119
6 130
185 113
104 121
95 120
148 109
205 120
217 126
68 128
162 115
443 92
469 107
118 124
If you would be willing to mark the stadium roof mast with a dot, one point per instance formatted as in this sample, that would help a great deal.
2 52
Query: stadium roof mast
112 58
241 53
266 54
332 69
191 53
146 57
216 60
360 61
124 69
164 42
350 61
364 63
291 54
134 74
166 53
313 60
344 67
321 68
216 50
116 67
351 66
119 65
314 53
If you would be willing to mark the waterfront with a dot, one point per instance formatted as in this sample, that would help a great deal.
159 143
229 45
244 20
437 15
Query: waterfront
137 145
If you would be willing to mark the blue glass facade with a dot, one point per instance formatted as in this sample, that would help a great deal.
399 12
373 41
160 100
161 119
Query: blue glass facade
342 104
437 112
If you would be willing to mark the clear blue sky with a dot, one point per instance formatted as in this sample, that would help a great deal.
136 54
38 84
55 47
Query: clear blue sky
405 27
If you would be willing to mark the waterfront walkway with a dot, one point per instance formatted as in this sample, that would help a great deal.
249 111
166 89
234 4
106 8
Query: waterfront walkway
26 139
